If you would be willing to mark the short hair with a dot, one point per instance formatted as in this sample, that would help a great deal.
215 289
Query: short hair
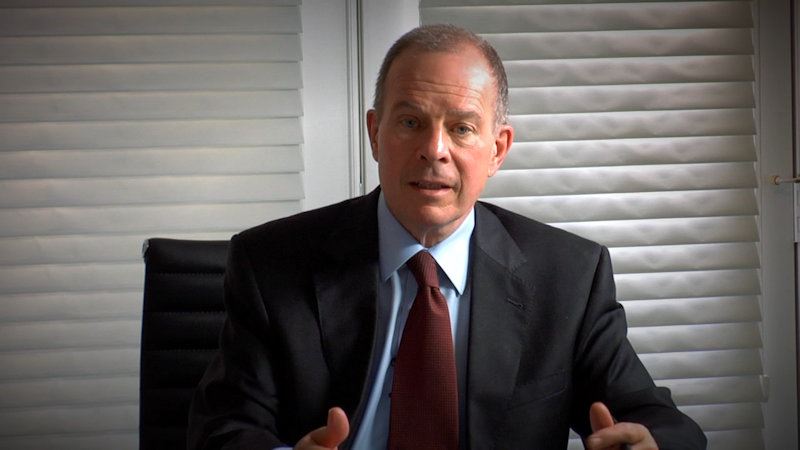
447 38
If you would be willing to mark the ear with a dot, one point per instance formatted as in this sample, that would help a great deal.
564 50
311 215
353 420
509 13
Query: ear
372 130
502 144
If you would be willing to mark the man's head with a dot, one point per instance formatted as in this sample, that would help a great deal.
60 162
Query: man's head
435 131
446 38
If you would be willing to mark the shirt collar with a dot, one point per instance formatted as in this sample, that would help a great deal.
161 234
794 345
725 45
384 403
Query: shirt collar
396 246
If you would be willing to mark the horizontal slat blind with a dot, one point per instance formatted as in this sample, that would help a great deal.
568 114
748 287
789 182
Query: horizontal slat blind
123 120
635 127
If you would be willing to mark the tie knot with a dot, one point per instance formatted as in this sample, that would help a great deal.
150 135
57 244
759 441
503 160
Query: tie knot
423 266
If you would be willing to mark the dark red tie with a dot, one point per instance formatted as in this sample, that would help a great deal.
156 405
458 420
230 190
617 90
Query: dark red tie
424 412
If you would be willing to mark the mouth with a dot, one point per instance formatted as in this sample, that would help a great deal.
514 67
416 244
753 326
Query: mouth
430 185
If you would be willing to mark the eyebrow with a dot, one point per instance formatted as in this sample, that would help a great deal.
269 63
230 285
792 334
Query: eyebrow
405 104
461 114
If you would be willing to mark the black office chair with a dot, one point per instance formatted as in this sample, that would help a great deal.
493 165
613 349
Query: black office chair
182 317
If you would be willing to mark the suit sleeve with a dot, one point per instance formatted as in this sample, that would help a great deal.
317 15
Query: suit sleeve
235 405
608 370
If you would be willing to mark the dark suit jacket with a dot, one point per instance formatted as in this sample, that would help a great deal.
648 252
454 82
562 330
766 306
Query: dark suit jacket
546 336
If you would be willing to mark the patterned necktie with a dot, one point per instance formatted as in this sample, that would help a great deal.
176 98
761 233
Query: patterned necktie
424 405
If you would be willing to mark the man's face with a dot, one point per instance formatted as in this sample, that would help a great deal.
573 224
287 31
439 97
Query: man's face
435 139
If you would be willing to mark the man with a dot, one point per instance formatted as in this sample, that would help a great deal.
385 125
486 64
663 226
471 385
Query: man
320 304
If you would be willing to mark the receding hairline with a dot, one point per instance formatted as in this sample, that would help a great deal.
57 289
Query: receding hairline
445 38
412 52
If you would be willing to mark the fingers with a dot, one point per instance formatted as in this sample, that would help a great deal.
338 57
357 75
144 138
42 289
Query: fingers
337 429
608 435
329 436
600 417
637 437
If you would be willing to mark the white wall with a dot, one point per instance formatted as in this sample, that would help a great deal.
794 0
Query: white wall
327 102
776 202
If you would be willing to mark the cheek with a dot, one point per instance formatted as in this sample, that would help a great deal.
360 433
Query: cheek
472 184
390 165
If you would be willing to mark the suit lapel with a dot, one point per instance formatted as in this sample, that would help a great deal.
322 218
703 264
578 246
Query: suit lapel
499 317
345 281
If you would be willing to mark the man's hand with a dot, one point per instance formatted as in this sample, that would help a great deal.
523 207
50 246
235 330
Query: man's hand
607 435
328 437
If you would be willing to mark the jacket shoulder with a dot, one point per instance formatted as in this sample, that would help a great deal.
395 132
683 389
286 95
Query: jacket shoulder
302 236
309 225
530 233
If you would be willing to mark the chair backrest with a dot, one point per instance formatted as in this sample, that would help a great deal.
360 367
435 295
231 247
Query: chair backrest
182 317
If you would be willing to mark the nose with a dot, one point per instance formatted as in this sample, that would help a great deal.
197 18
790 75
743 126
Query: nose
435 146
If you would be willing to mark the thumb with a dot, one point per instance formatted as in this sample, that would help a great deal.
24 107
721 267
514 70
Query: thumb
336 430
600 417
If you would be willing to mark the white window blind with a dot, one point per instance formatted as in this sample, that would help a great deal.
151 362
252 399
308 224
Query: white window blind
635 128
122 120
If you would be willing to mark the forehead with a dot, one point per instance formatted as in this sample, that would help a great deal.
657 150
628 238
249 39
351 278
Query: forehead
443 75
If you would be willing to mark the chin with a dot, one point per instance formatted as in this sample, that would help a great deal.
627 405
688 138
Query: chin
436 221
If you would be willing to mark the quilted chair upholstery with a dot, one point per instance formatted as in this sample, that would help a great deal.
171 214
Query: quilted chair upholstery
182 317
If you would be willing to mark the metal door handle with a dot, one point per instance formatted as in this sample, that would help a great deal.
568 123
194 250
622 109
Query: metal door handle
777 180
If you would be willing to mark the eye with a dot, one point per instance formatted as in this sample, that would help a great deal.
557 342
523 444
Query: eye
462 130
409 123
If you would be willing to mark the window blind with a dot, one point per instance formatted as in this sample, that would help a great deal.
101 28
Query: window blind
635 128
123 120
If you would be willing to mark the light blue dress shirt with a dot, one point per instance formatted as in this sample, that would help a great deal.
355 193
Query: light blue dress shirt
396 293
